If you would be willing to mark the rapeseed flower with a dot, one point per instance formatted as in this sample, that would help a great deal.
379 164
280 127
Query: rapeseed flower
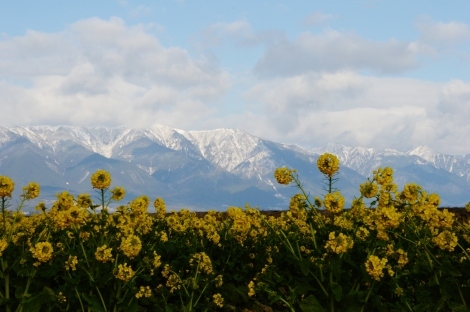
218 300
446 240
283 175
84 201
42 251
6 186
3 246
101 179
71 263
131 246
203 261
103 254
334 202
375 266
118 193
31 190
328 164
144 291
251 289
384 176
124 272
160 207
339 244
369 189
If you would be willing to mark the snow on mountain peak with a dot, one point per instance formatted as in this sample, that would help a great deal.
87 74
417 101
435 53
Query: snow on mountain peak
424 152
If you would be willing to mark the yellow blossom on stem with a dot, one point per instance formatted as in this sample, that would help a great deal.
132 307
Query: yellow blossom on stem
131 246
375 266
446 240
369 189
144 291
84 201
71 263
103 254
251 289
334 202
160 207
339 244
118 193
328 164
6 186
283 175
101 179
3 246
42 251
218 300
31 190
124 272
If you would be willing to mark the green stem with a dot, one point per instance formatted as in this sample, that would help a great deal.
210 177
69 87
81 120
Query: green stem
368 294
79 299
319 283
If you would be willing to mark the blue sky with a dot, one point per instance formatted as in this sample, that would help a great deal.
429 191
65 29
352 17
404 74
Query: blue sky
382 74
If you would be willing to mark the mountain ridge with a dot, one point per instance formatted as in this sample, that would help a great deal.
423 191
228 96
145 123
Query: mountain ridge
207 169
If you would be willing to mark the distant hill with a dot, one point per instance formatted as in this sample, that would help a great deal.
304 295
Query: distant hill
203 170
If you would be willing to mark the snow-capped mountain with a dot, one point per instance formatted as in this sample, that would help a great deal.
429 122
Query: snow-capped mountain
208 169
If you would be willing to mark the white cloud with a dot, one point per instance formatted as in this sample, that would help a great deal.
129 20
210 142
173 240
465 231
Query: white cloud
104 72
442 33
316 18
347 108
332 51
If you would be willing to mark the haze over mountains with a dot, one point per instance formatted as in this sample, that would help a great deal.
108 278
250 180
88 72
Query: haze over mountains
202 170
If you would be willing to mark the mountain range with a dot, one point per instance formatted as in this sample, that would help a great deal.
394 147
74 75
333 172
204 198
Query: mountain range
214 169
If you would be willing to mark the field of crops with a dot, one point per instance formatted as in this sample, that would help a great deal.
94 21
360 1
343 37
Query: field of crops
393 250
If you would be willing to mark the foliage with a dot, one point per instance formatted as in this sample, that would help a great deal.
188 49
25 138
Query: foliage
391 251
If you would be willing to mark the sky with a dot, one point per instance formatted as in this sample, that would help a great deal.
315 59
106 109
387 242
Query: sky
372 73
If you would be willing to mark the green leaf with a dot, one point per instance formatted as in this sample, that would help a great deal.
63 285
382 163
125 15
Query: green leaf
304 267
34 303
311 304
94 303
337 291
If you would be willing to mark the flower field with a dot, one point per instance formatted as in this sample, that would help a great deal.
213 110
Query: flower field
392 250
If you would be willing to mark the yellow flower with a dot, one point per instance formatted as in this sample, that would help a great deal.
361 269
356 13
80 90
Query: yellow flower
218 300
283 175
218 281
375 266
251 289
156 260
328 164
6 186
118 193
101 179
131 246
334 202
369 189
160 207
3 245
71 263
40 206
339 244
362 233
124 272
410 192
64 201
144 292
42 251
84 201
446 240
103 254
384 176
31 190
203 261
